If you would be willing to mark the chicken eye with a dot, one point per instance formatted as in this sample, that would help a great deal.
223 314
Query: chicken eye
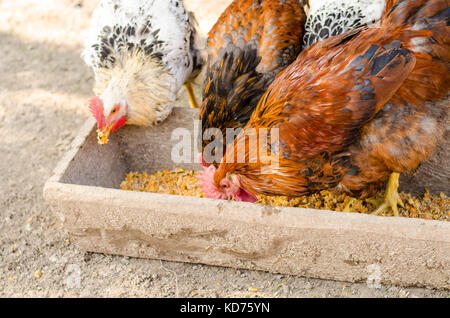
224 186
114 111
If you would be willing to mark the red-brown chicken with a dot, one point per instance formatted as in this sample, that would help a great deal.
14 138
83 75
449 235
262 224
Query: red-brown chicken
251 42
329 106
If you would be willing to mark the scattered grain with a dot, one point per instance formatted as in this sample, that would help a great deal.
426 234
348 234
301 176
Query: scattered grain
182 182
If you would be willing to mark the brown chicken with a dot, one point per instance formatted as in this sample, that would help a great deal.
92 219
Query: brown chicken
335 130
252 41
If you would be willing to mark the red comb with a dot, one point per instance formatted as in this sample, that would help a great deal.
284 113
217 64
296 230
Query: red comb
96 108
206 178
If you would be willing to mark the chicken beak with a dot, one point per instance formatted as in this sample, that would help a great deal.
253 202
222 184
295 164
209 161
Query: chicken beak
103 134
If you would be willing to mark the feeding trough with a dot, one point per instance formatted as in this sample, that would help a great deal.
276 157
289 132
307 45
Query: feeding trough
85 195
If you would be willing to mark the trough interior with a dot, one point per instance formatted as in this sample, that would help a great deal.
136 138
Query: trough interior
130 148
139 149
230 233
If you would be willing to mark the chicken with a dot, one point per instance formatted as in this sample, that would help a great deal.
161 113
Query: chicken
141 52
335 131
327 18
417 123
251 42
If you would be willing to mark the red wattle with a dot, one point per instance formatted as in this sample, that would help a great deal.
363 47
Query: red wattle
202 161
243 195
119 123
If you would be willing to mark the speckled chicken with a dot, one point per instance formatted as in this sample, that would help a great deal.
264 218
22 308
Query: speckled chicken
142 52
335 130
328 18
251 42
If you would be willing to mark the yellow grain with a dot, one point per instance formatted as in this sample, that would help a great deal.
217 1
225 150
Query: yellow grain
183 182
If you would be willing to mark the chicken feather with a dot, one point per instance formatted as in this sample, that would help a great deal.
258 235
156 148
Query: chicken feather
142 52
329 105
251 42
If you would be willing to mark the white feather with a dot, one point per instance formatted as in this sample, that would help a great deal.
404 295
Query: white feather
353 13
163 31
165 15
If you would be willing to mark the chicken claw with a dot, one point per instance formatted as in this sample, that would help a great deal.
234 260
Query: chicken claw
391 197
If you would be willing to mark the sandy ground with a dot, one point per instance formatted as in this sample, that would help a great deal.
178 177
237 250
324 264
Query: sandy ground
43 91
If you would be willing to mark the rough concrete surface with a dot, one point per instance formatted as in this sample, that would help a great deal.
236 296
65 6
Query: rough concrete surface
43 96
85 196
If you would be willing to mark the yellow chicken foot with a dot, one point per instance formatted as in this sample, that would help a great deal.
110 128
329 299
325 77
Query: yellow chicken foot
391 197
190 91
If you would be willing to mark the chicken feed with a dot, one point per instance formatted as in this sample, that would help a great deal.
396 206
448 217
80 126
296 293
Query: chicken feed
183 182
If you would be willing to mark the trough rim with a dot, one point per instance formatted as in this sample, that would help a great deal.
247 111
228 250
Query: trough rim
402 230
401 225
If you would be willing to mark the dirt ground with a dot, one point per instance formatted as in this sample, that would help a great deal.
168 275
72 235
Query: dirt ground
44 87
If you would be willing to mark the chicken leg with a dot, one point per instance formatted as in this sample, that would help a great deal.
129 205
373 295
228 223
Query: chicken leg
190 91
391 197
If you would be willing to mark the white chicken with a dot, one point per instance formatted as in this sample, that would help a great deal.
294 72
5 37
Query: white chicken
327 18
142 52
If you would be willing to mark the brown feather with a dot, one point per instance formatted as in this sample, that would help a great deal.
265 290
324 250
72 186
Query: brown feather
249 44
329 106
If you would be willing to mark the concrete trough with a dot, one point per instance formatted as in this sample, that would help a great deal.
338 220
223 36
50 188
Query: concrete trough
84 194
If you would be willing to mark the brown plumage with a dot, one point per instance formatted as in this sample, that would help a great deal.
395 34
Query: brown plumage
405 132
329 106
397 140
252 41
425 31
